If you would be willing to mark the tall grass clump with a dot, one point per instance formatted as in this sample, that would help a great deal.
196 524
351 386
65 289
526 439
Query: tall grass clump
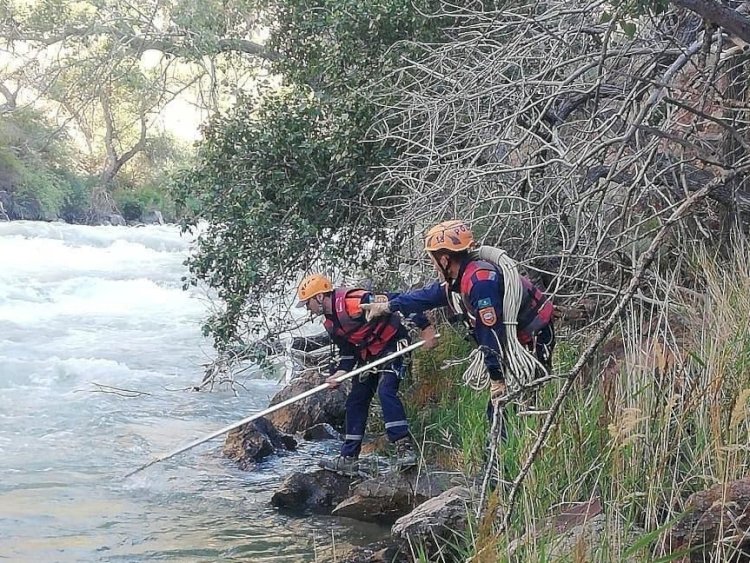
666 415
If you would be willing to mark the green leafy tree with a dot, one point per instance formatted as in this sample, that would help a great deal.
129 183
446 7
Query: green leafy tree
107 69
283 178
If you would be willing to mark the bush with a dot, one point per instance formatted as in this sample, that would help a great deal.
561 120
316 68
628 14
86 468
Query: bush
33 167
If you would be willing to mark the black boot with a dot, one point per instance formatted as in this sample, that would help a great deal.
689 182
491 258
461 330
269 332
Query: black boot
406 454
343 465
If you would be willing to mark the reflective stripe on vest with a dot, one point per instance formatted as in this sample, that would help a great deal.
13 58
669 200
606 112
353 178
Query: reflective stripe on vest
371 338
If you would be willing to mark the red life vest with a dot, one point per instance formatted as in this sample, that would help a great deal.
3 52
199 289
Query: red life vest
371 338
534 313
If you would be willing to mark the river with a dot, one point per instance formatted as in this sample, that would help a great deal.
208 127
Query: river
84 310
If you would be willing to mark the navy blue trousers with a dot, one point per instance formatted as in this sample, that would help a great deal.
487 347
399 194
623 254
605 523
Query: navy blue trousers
385 381
543 346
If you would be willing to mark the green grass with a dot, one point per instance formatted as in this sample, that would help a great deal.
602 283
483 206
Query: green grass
673 421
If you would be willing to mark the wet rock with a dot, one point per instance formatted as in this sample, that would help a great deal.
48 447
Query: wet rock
318 491
321 432
113 219
437 518
106 218
719 514
255 440
377 552
385 498
327 406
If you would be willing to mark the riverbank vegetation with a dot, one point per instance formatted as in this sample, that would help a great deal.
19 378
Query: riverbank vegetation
661 414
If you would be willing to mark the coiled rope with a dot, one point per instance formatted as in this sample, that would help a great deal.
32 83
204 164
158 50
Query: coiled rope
520 363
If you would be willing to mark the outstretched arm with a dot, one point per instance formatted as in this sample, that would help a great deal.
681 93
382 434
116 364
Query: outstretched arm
417 301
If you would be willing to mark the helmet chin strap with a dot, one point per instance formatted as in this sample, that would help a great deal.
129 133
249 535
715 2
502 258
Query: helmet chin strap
319 300
444 271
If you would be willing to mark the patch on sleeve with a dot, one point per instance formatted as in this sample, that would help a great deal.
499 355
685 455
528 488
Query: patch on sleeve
484 275
380 299
488 316
484 302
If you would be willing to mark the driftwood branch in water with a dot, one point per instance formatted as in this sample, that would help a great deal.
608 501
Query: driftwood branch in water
101 388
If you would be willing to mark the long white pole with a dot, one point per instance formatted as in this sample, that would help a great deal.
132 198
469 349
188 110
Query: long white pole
280 405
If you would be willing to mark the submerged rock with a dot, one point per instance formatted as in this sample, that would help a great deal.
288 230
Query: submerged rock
318 491
377 552
255 440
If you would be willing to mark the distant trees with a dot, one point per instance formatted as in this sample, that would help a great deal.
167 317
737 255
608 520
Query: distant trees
106 70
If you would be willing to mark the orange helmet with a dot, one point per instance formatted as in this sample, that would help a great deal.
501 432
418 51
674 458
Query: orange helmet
453 236
312 285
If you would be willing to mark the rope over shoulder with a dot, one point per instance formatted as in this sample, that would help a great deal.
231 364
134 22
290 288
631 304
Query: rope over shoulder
519 363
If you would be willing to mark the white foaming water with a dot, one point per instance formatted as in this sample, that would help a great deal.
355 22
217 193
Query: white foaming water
86 307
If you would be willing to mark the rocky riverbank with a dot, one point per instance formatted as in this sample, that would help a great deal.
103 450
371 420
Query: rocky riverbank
423 505
431 508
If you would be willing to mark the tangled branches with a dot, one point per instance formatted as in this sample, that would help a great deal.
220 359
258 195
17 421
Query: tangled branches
565 141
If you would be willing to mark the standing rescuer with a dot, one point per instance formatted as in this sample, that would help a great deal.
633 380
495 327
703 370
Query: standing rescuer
476 289
360 342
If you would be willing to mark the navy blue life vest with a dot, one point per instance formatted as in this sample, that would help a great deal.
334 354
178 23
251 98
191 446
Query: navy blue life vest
534 313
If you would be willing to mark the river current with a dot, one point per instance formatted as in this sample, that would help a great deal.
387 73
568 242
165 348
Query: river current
99 347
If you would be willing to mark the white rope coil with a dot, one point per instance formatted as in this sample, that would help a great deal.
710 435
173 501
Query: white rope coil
520 364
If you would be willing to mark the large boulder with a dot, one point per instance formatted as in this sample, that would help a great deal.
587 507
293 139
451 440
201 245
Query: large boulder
440 517
327 406
255 440
386 498
318 491
720 514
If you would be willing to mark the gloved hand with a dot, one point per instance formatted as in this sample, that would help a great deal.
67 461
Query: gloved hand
332 383
375 310
430 337
498 389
